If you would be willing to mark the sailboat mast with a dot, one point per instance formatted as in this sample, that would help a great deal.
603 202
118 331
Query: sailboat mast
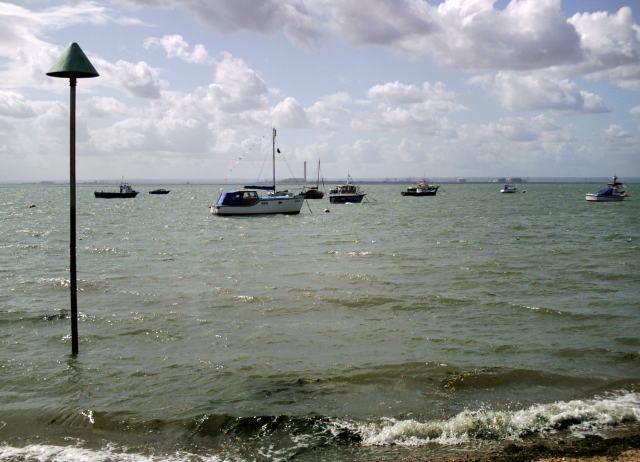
273 147
318 180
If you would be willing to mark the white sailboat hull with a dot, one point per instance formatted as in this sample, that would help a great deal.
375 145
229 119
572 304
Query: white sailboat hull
265 206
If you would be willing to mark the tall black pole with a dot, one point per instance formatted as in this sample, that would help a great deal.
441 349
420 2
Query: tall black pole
72 220
73 64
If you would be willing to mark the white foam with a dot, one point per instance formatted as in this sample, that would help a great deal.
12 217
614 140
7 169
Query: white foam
579 417
52 453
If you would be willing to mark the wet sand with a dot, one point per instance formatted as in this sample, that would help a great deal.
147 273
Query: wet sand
625 447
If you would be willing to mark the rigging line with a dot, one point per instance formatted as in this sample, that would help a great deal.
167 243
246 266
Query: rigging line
287 163
264 160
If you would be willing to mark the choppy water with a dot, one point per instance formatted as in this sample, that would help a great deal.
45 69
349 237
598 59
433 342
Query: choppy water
401 327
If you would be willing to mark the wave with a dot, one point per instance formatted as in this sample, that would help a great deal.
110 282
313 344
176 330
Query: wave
216 437
212 437
570 314
577 417
111 453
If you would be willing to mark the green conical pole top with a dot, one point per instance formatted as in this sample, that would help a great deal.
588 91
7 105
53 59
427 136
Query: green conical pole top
73 63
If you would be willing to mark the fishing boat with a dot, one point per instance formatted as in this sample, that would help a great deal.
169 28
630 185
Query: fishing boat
160 191
126 191
422 188
251 200
313 192
508 188
612 193
346 193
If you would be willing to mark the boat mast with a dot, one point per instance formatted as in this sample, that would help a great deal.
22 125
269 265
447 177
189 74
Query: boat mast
273 143
318 180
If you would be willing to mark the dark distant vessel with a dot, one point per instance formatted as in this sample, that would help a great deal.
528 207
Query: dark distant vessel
346 193
313 192
126 191
614 192
422 188
508 189
160 191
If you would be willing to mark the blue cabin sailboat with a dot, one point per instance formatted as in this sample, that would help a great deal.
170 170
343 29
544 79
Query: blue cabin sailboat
249 201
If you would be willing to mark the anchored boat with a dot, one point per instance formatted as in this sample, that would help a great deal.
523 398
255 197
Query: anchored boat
422 188
313 192
249 201
346 193
614 192
126 191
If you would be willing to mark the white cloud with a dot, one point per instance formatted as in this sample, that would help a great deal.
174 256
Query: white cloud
23 41
139 79
236 87
635 111
163 127
429 98
382 22
611 44
330 112
526 34
100 107
289 113
175 46
540 91
267 17
616 133
399 106
14 105
463 34
363 151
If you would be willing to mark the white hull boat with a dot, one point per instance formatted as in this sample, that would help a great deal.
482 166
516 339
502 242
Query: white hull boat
614 192
248 201
508 188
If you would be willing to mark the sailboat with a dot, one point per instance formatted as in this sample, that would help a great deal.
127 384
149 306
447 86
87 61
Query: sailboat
249 201
313 192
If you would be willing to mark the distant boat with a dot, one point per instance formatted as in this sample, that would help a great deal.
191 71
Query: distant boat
248 201
126 191
313 192
614 192
509 188
160 191
422 188
346 193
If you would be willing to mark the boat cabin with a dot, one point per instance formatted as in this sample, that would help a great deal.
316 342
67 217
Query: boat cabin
239 198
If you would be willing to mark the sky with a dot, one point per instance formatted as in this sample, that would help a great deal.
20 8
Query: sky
190 89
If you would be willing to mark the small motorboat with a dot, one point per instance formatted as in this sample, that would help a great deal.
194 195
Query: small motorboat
346 193
422 188
614 192
508 188
160 191
126 191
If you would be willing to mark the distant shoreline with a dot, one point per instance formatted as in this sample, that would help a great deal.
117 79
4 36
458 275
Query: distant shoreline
372 181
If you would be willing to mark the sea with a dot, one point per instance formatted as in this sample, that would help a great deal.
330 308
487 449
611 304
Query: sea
402 328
